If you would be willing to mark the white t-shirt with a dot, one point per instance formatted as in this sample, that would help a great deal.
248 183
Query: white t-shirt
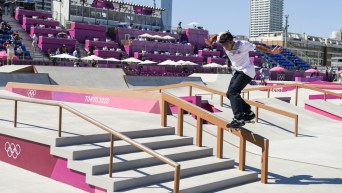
239 56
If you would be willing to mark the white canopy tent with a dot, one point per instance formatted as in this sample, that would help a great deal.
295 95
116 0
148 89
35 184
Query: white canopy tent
147 62
213 65
189 63
168 63
65 56
112 60
92 57
169 37
145 35
131 60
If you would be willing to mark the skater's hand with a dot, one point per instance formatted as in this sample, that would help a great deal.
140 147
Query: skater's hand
211 40
277 50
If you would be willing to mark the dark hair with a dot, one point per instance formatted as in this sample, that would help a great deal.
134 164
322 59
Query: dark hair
226 37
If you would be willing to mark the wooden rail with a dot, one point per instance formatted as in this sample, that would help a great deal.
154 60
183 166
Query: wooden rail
201 114
111 131
223 94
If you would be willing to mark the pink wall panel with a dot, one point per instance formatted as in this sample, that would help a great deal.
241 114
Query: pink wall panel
28 155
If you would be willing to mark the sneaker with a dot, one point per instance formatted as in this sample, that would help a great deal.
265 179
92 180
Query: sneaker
249 117
236 123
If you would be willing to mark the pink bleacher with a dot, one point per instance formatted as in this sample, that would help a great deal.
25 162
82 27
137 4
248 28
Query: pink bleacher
108 53
46 31
216 60
150 46
29 22
19 13
196 36
45 43
256 61
82 32
208 53
100 44
163 57
121 32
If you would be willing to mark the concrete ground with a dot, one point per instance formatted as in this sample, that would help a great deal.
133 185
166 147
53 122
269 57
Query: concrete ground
18 180
310 163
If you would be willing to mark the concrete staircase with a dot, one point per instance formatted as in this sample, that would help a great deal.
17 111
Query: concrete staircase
137 171
26 40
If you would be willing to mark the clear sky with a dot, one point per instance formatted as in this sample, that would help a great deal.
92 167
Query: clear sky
313 17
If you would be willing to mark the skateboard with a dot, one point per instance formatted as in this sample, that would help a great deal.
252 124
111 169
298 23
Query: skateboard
239 128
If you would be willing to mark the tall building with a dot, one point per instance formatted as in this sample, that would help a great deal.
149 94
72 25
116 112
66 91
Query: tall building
43 5
337 35
167 14
265 16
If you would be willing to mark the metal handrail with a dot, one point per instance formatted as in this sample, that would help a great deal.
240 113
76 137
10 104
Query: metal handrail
112 132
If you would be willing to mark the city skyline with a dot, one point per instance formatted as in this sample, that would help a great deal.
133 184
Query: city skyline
313 17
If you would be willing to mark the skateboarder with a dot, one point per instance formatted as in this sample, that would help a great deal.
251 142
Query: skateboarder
243 73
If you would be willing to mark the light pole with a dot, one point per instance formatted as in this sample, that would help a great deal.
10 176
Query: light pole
83 1
286 30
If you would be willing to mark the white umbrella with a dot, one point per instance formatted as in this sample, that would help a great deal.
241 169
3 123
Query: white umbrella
145 35
157 37
188 63
181 62
213 65
64 56
194 23
169 37
92 57
112 60
131 60
147 62
169 62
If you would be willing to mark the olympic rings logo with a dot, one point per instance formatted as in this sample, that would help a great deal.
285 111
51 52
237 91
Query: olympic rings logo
31 93
12 150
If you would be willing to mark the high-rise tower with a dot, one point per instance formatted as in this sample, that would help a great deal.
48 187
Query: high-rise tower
167 14
265 16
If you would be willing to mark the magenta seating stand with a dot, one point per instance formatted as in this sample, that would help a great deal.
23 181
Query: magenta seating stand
82 32
107 54
19 13
45 31
29 22
100 44
45 43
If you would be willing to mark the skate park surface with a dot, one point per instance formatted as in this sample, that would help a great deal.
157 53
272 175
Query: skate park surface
309 163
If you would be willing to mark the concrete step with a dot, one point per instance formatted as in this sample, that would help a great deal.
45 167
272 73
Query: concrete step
123 162
156 174
146 132
92 150
204 183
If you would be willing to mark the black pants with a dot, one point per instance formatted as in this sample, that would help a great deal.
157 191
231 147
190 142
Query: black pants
237 84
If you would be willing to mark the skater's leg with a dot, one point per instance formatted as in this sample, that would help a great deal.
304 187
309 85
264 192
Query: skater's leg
238 82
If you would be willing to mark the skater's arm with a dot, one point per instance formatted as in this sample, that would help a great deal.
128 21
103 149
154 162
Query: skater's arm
211 40
276 50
